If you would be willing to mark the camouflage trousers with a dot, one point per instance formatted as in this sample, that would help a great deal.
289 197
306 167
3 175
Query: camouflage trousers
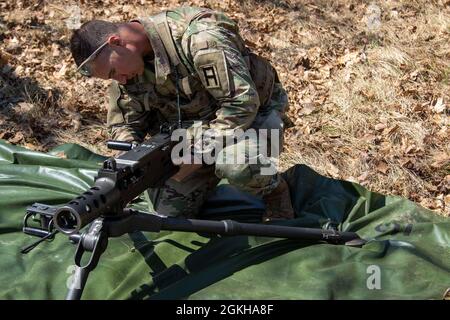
257 175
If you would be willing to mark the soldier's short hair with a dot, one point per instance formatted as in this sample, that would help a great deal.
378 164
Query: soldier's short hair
89 37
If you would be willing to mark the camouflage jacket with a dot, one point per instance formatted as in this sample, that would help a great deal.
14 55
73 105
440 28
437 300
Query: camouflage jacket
199 54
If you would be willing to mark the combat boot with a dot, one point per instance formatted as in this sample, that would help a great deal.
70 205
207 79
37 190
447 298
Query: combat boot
278 203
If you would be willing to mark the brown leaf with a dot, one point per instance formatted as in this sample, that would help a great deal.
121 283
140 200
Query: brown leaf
382 167
447 200
76 123
440 160
420 107
369 138
391 130
307 108
62 72
55 50
4 58
61 155
444 186
428 203
19 70
367 94
333 170
25 107
349 58
413 75
380 126
406 163
411 149
31 146
439 106
17 138
363 177
12 45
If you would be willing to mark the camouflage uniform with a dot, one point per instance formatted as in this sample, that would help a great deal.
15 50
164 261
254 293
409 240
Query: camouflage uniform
200 54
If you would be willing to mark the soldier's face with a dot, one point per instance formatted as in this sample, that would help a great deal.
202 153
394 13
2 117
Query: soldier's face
120 60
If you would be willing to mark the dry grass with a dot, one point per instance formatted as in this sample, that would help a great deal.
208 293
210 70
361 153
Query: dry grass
368 83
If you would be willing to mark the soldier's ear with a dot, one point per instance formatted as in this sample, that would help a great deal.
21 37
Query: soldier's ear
115 40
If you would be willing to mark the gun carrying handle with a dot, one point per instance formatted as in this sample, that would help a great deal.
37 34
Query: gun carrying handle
120 145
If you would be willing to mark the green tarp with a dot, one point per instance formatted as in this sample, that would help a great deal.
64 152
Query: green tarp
408 256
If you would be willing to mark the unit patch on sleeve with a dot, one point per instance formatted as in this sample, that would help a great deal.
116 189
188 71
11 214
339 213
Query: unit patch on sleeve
210 74
212 69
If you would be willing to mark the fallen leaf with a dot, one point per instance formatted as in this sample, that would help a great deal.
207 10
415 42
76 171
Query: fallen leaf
349 58
440 160
382 167
428 203
391 130
31 146
62 72
24 107
4 58
413 75
61 155
439 106
447 200
363 177
332 170
76 123
19 70
17 138
420 107
406 163
367 94
55 50
380 126
411 149
12 45
307 108
445 183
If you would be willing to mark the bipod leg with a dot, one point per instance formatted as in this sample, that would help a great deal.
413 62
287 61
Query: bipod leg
143 221
95 240
233 228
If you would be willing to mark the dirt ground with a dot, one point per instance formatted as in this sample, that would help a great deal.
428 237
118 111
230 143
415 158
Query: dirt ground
368 83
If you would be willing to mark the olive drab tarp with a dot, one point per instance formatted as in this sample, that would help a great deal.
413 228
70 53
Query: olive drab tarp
407 257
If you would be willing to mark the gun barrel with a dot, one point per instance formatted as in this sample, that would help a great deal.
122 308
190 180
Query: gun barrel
82 210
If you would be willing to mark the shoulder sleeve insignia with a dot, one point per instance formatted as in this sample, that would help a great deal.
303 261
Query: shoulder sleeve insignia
210 75
212 70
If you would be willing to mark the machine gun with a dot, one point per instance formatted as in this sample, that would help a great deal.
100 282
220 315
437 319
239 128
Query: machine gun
120 180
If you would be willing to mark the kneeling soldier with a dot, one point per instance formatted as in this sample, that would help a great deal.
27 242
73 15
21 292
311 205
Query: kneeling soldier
193 60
